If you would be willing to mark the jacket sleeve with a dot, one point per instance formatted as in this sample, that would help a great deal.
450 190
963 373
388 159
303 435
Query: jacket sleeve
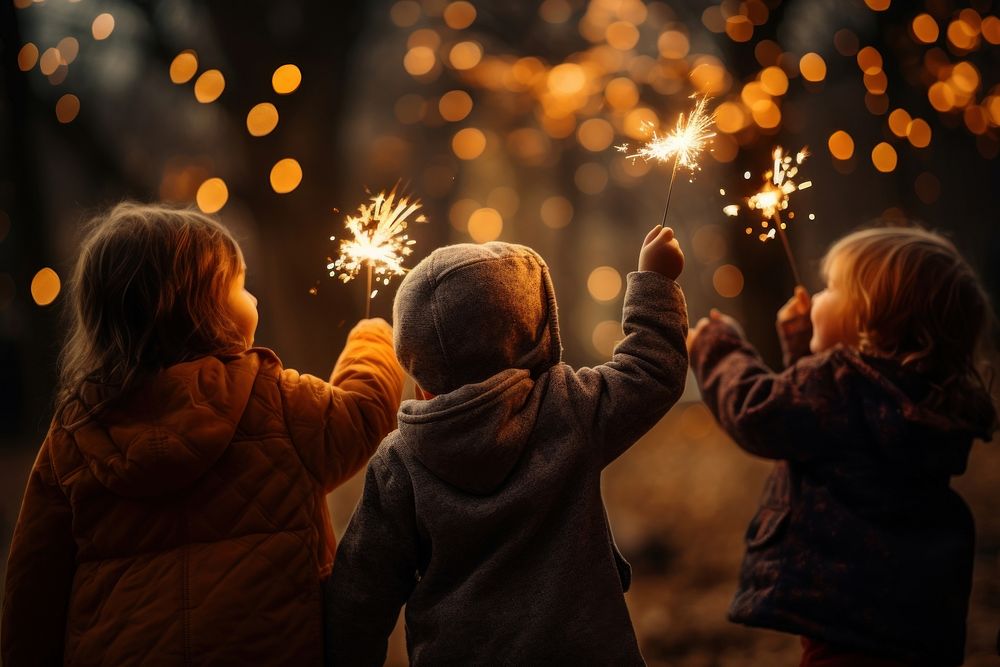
773 415
40 572
620 400
337 425
375 569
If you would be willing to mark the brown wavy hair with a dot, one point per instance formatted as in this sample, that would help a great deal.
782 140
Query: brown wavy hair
914 298
148 291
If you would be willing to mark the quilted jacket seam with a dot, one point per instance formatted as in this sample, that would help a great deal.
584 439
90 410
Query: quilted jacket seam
291 437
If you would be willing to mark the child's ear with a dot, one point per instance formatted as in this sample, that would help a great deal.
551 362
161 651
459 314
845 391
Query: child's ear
420 394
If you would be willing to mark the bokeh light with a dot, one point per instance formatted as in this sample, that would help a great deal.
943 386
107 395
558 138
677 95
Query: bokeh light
925 28
286 174
485 225
884 157
556 212
869 60
604 283
50 61
709 244
262 119
212 195
405 13
595 134
813 67
103 26
919 133
68 48
455 105
899 121
739 28
27 57
468 143
606 335
183 67
728 281
45 286
67 108
209 86
286 79
459 15
841 145
419 60
591 178
465 55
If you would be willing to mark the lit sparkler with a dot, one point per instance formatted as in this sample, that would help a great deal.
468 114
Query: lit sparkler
377 241
684 144
779 184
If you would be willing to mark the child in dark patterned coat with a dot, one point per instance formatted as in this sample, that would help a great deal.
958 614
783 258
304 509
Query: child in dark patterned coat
860 545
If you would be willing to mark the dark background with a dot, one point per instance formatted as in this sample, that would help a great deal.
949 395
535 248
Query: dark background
360 119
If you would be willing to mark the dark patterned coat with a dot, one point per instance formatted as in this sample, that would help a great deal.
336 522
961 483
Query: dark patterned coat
859 539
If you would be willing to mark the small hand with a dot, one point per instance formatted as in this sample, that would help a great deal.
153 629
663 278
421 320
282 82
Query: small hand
719 316
796 307
661 253
713 316
695 331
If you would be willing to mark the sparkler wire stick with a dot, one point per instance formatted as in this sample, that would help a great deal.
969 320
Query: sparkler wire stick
368 294
670 189
780 226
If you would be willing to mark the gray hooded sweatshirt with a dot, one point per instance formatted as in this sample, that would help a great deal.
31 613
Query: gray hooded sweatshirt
482 513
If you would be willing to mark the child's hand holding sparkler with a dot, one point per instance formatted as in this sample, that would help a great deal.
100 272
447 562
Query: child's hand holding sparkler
795 308
714 315
661 253
794 326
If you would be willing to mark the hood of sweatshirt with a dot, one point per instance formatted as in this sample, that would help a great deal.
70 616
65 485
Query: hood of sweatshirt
473 437
919 426
167 432
467 312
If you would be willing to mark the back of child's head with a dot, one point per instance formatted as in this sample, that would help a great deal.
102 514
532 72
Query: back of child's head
148 291
912 297
468 312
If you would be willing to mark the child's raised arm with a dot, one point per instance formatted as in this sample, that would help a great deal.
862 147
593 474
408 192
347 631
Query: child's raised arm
773 415
39 572
619 401
337 425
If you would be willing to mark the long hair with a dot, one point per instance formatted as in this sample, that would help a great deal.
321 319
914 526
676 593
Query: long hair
149 290
913 297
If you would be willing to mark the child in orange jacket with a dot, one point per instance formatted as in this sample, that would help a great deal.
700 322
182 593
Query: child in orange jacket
176 512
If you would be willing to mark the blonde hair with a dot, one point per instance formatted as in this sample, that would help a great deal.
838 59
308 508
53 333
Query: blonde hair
147 292
914 298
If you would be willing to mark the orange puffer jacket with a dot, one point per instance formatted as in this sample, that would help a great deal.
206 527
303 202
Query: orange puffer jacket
188 523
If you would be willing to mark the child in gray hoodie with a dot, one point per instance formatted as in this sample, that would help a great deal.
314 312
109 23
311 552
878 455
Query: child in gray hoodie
483 513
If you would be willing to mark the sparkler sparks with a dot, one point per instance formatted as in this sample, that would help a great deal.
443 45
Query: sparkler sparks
772 199
684 143
377 239
778 186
